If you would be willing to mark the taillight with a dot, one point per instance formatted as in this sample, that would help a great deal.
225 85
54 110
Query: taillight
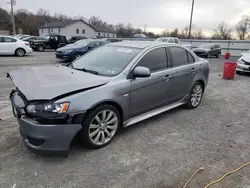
27 44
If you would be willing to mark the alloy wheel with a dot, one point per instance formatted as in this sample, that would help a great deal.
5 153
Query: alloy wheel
196 95
103 127
20 52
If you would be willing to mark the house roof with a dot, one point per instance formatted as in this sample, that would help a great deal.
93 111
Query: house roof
62 24
105 30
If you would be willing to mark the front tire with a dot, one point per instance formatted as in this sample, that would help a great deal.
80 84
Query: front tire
196 95
20 52
100 126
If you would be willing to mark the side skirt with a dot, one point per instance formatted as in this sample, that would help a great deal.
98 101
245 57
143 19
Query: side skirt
154 112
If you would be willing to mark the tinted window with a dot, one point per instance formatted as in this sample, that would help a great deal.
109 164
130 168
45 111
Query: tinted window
176 41
107 60
170 41
179 56
154 60
7 39
190 58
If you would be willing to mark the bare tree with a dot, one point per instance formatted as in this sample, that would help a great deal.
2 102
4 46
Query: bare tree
174 33
242 27
95 21
222 32
165 33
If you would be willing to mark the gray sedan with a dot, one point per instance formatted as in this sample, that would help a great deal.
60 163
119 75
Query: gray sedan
111 87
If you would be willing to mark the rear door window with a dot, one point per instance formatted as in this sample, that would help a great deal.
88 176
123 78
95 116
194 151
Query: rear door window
176 41
190 58
7 39
155 60
179 56
170 41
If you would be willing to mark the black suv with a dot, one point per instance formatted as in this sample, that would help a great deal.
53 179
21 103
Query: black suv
208 50
50 41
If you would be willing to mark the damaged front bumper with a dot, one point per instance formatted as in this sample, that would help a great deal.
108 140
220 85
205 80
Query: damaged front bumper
41 135
49 138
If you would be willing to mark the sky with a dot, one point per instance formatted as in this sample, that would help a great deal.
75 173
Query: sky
156 14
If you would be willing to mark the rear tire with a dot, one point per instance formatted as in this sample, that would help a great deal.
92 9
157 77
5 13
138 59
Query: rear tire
20 52
100 126
196 95
218 55
40 48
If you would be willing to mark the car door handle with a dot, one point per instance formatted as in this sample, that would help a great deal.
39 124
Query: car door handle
167 77
193 70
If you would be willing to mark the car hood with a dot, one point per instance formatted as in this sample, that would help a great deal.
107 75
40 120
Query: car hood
46 83
68 47
246 56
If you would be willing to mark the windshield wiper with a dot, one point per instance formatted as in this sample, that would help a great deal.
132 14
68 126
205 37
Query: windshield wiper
87 70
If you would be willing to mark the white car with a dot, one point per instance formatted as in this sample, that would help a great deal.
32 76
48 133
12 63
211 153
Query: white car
243 63
14 46
173 40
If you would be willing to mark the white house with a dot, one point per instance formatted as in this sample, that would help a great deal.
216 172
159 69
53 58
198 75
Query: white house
75 28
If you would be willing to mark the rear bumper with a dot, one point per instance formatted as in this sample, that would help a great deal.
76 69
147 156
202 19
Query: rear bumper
243 68
47 139
28 50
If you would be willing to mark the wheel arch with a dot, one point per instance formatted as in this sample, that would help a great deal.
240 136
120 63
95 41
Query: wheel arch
20 48
112 103
15 53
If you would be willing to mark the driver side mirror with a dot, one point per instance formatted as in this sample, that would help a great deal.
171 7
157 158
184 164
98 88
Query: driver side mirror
141 72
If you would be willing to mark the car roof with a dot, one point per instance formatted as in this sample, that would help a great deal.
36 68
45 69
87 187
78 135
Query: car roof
139 44
8 36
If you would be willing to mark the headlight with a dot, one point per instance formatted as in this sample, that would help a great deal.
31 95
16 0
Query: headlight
240 61
48 109
67 51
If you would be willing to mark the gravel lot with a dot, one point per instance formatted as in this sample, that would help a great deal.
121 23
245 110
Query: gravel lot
162 152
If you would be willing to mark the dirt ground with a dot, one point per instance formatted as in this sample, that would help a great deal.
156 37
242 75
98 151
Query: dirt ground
161 152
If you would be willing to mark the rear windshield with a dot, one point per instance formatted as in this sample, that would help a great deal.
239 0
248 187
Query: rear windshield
107 60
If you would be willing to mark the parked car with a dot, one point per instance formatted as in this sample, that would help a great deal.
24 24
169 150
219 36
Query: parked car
73 39
173 40
243 63
140 35
13 46
50 41
208 50
71 52
112 39
20 36
111 87
31 38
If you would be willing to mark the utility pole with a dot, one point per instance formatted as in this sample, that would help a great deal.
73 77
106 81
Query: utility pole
12 3
191 19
